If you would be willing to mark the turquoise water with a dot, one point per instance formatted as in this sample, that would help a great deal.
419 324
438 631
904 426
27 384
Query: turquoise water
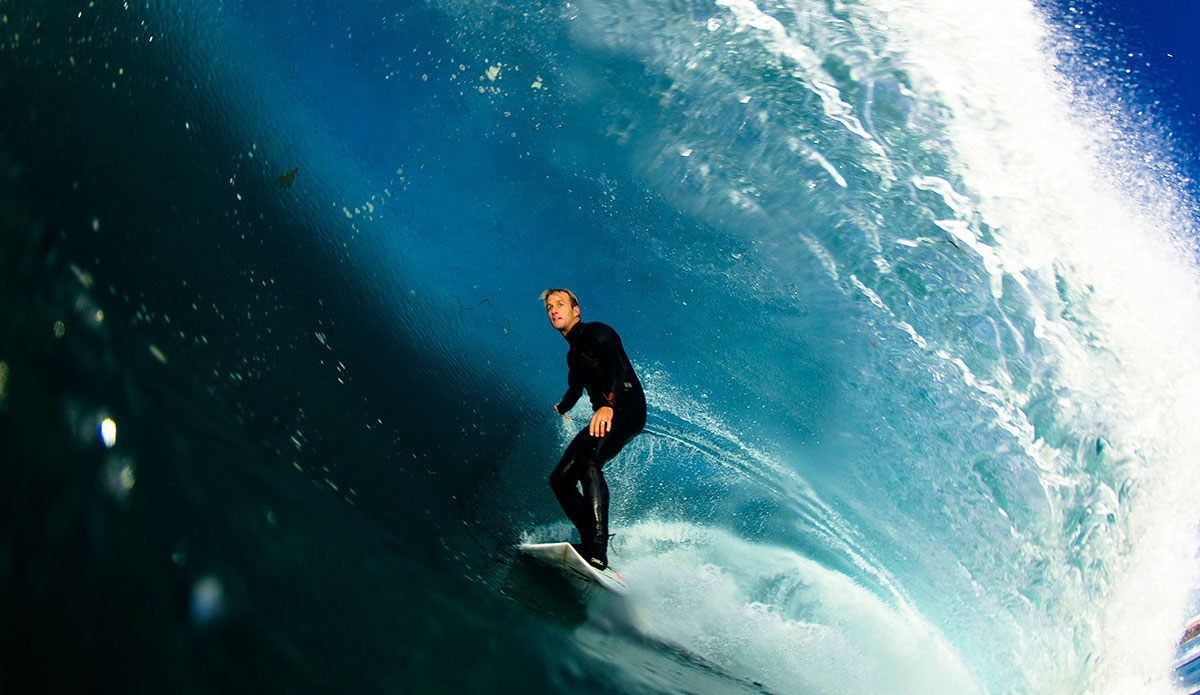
910 286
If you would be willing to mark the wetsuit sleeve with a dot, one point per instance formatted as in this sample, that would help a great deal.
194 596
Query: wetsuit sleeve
574 391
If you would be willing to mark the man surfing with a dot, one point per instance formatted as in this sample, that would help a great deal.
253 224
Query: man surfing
596 361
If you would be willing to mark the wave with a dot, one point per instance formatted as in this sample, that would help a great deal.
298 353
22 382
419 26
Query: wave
912 298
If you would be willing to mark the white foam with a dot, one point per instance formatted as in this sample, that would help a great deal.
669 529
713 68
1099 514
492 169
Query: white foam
776 617
1048 178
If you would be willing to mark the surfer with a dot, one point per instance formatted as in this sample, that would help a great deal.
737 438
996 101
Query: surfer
596 361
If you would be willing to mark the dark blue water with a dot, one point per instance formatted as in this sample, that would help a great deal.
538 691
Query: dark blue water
910 288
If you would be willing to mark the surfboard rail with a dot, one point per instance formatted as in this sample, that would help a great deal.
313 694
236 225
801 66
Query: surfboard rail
564 556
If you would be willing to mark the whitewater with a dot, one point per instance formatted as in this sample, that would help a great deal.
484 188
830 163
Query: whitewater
910 284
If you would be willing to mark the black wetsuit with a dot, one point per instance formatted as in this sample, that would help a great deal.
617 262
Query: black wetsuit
596 362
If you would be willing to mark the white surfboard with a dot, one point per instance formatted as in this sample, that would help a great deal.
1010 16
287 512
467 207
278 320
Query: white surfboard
566 558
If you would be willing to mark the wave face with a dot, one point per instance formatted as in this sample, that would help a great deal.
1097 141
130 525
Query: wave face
912 297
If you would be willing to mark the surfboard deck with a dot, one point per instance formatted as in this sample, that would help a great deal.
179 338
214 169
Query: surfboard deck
566 558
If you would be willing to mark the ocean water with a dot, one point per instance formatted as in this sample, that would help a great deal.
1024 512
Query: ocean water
911 285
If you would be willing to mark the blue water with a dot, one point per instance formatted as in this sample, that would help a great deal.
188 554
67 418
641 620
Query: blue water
911 287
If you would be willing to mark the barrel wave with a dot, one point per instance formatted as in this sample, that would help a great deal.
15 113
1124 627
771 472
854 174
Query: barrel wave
910 286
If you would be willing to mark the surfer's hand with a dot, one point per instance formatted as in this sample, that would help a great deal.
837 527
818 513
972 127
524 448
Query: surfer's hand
601 423
562 415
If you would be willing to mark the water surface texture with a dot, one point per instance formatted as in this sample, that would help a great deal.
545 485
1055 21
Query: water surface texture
910 284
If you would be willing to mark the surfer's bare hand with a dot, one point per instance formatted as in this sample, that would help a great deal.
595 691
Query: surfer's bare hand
601 423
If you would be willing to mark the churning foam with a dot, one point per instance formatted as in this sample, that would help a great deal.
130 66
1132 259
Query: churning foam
1048 178
778 618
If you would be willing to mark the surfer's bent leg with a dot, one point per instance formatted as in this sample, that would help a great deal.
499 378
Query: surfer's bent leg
580 467
565 476
582 464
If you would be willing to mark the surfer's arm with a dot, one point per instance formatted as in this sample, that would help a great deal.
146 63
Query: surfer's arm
574 391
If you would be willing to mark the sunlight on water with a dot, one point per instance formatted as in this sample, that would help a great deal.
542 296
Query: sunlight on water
1049 179
918 325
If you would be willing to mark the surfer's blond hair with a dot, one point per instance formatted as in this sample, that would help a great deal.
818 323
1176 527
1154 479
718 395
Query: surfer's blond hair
563 290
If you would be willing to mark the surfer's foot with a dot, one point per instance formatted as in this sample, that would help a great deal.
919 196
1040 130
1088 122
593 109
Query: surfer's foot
590 556
596 556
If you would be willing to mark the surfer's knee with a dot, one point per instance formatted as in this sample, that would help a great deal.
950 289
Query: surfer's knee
559 479
593 477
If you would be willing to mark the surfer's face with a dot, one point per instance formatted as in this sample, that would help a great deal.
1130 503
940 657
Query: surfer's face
560 312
